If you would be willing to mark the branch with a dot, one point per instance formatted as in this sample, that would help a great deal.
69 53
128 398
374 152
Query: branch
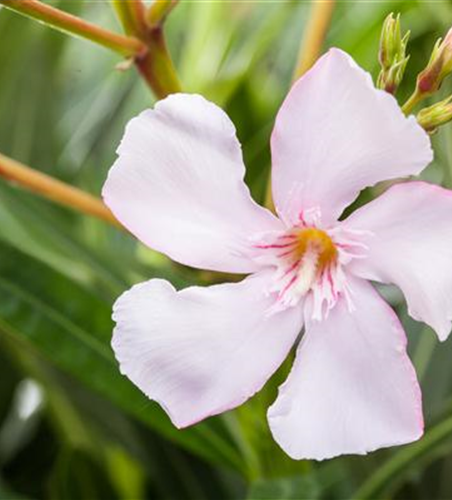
158 11
155 64
146 47
62 21
131 14
414 99
54 189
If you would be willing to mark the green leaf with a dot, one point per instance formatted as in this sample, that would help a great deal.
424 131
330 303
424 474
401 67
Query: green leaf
397 468
293 488
72 328
77 475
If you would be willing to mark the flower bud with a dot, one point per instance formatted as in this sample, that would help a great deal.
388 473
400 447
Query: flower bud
392 57
439 66
438 114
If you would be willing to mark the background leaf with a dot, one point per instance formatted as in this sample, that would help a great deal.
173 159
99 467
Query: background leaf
90 433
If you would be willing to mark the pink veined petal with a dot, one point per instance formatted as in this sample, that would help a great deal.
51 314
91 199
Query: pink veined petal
352 388
201 351
178 186
334 135
411 247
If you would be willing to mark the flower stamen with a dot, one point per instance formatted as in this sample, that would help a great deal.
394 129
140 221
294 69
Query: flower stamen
308 262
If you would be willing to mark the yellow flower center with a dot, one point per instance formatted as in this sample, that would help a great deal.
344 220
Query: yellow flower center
315 242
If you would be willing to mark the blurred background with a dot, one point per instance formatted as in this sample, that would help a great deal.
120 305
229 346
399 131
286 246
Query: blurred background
71 427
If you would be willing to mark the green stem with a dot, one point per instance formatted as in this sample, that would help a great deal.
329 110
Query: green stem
147 47
55 18
156 65
402 462
415 98
158 11
131 15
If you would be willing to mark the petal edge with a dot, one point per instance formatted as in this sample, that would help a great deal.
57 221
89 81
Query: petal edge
202 350
336 134
352 389
178 186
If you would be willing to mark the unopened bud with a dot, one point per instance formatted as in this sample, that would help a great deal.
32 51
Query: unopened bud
432 117
439 66
392 54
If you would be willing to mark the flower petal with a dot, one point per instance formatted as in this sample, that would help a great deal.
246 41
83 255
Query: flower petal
334 135
201 351
352 388
411 247
178 186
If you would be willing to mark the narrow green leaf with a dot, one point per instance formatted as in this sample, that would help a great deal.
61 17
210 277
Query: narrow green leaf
401 464
72 328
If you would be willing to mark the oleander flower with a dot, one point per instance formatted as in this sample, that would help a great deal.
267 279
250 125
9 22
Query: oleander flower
178 186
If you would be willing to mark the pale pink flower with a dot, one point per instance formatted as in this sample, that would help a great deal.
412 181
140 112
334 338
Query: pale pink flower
178 186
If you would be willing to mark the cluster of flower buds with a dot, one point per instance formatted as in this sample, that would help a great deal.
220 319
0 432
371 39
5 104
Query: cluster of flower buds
392 55
439 66
430 80
432 117
393 61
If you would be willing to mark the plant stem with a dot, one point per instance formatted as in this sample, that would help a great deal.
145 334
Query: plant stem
54 189
131 14
147 47
156 65
414 99
124 45
158 11
317 28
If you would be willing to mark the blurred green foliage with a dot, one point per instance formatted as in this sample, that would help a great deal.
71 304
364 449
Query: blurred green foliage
71 426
